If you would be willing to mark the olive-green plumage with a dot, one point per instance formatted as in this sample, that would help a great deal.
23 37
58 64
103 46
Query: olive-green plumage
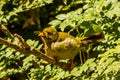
61 45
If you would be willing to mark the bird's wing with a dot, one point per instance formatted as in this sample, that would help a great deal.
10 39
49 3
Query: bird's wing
68 43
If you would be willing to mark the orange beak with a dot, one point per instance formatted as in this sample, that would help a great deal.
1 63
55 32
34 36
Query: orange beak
41 34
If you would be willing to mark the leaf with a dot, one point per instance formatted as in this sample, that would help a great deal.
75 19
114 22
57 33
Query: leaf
85 25
30 42
62 26
18 55
113 67
110 60
2 74
90 61
107 7
65 2
8 54
35 43
2 47
114 11
54 22
48 68
96 28
61 16
99 6
16 40
90 14
76 72
27 60
40 46
84 68
88 31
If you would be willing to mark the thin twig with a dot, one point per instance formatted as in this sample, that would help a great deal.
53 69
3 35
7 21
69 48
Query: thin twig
22 41
6 31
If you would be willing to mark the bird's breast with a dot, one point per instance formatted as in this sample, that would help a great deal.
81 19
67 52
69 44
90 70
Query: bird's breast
66 49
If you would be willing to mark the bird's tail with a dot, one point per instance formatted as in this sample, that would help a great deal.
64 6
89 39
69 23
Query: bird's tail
95 38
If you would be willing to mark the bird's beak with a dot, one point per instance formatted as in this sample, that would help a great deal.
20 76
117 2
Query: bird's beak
41 34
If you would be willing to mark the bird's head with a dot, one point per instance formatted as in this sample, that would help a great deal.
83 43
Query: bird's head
49 34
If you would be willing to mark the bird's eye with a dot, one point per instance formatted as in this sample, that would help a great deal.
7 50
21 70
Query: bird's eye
49 33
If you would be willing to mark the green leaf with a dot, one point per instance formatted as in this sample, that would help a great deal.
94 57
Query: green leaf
2 47
61 16
40 46
96 28
35 43
65 2
30 42
62 26
54 22
76 72
2 74
89 14
88 31
109 60
85 25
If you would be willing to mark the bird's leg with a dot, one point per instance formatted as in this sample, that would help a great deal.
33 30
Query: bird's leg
71 64
56 59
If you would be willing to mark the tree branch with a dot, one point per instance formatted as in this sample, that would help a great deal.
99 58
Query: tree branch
28 51
25 49
6 31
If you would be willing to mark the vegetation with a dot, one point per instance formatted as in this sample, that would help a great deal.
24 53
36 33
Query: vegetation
76 17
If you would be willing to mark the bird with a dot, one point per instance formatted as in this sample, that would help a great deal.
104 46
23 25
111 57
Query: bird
61 45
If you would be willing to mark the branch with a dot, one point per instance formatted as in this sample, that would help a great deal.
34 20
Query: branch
6 31
25 49
28 51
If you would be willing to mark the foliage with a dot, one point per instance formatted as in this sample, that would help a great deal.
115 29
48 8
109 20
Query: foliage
19 6
81 17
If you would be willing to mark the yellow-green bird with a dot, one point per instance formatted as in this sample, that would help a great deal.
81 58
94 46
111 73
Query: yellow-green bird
61 45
